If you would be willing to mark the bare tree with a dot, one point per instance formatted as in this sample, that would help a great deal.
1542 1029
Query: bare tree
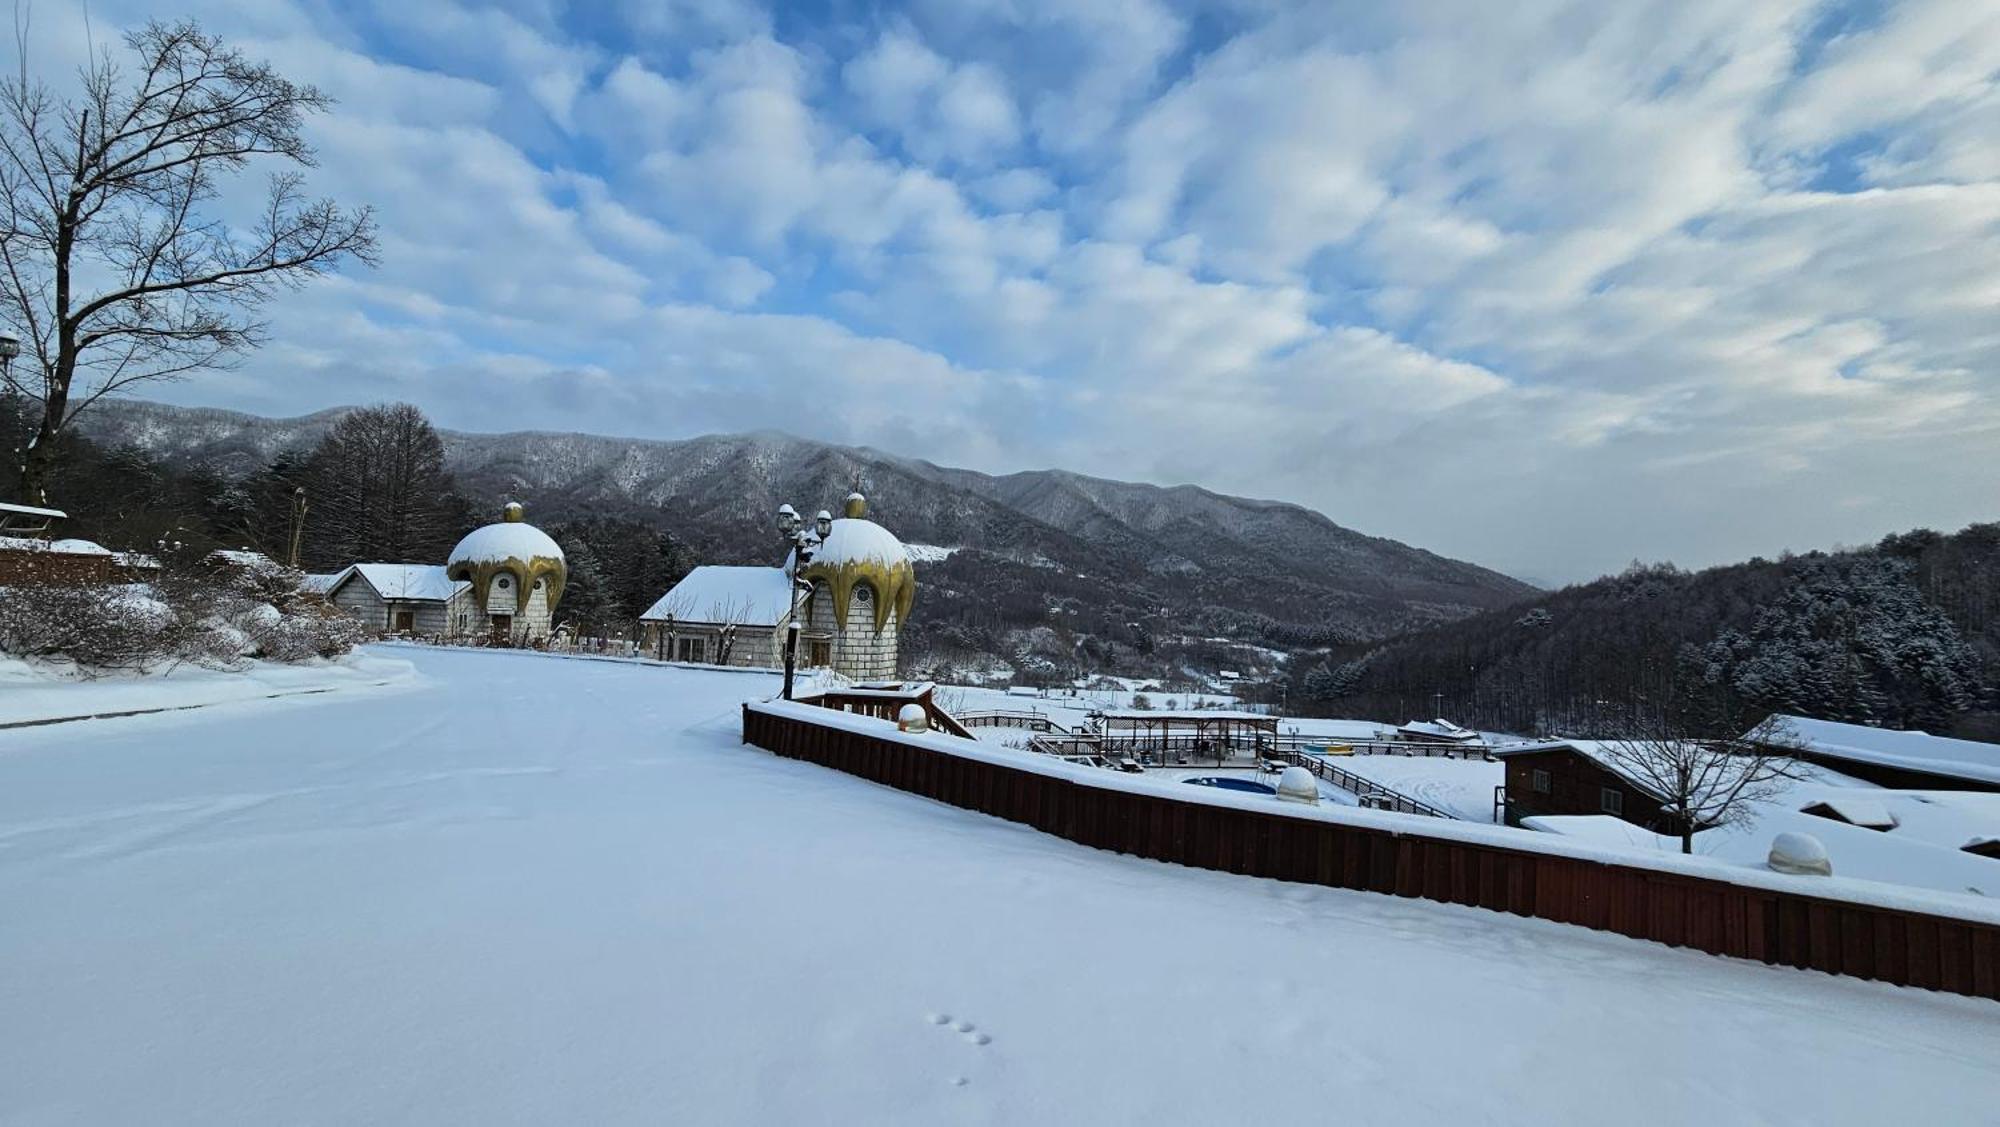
727 614
1704 783
111 270
379 490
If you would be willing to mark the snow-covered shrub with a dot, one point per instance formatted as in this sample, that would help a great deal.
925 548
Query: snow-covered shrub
308 632
199 619
107 627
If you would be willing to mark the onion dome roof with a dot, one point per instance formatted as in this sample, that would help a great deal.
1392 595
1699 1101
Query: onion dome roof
509 545
856 550
509 538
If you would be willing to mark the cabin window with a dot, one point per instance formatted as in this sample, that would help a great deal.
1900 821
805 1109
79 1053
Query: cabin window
863 593
819 651
693 649
503 583
1611 800
1541 781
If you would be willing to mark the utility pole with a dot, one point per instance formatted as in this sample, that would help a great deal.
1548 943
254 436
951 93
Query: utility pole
298 525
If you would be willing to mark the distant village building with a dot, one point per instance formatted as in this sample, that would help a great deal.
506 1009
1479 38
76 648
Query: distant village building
503 582
858 585
1437 731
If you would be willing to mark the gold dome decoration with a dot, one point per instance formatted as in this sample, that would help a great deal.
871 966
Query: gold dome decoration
858 551
513 547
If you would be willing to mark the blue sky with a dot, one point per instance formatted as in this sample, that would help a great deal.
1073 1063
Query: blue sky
1547 286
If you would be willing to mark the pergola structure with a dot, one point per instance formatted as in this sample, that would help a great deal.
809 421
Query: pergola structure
1200 733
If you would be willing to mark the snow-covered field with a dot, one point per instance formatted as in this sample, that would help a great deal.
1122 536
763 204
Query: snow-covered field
1463 787
40 691
532 890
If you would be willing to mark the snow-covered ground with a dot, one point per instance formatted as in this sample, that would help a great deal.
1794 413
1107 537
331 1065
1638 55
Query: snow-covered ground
533 890
1462 787
35 692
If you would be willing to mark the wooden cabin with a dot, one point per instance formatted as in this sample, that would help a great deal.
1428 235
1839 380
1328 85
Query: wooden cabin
1560 777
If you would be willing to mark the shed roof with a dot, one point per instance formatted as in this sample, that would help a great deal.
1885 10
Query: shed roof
1439 729
745 596
1186 716
1890 747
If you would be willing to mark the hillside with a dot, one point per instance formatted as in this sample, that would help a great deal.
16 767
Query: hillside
1904 634
1046 570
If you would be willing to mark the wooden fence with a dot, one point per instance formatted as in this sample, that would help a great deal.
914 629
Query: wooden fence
1720 917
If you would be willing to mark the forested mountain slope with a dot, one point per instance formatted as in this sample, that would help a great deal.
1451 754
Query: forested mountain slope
1048 572
1903 634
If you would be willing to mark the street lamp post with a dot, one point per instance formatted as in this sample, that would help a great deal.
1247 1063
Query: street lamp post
805 538
10 347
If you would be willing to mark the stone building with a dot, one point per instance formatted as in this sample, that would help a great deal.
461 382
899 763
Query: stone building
863 585
517 573
721 615
857 584
416 599
503 582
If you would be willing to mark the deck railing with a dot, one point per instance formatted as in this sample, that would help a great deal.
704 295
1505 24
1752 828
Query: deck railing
1749 918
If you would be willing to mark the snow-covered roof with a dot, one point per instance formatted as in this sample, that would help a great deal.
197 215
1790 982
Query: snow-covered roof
859 540
503 540
1613 755
406 582
79 547
1856 810
243 557
31 511
1889 747
319 584
747 596
1439 729
66 547
1136 715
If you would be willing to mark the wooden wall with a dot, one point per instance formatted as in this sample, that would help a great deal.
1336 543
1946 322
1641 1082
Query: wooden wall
1790 929
1576 786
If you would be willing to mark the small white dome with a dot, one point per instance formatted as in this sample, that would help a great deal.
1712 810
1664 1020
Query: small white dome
1800 853
912 718
1298 785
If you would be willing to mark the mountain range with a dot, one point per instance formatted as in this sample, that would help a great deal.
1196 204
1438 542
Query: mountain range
1180 557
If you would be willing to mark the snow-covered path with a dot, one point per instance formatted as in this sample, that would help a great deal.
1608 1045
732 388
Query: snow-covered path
545 891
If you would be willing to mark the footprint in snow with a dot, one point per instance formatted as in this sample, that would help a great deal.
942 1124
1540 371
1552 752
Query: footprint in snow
964 1028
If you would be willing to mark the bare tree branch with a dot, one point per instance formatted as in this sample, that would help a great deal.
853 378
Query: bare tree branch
110 268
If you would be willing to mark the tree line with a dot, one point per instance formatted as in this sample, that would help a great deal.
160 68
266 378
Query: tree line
374 488
1902 634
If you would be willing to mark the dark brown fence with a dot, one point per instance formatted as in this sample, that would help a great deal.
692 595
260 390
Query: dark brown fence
1682 910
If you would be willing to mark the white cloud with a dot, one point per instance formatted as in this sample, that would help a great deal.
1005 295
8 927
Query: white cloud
1549 286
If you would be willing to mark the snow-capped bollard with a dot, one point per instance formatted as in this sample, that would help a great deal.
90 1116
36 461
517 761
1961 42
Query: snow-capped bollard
1297 785
1800 853
912 718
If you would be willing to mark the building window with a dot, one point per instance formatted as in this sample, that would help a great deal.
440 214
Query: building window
1611 800
819 652
1541 782
693 649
